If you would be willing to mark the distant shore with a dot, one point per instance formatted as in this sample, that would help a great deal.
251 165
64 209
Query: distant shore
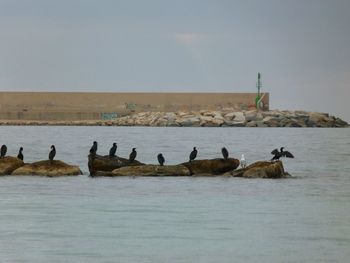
205 118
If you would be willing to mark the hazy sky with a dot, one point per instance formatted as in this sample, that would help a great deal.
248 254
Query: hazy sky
301 47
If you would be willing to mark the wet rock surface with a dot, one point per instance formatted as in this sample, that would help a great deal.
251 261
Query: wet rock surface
48 168
147 170
108 164
8 164
261 169
211 167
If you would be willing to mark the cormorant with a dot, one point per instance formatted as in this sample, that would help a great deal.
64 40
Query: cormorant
161 159
113 150
224 153
52 153
20 154
243 161
132 155
93 148
3 151
278 154
193 154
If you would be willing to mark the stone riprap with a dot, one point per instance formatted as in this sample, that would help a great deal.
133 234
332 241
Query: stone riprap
274 118
204 118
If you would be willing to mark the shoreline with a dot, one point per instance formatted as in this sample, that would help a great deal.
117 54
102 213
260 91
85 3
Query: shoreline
204 118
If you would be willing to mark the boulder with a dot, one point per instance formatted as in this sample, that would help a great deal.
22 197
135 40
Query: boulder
230 116
211 167
170 116
340 123
8 164
251 115
234 124
239 117
108 164
262 169
188 121
252 124
48 168
316 119
147 170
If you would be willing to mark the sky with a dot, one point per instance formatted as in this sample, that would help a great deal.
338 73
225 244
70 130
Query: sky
301 48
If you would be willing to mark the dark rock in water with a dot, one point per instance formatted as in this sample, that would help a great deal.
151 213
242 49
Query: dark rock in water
108 164
147 170
212 167
340 123
8 164
261 169
48 168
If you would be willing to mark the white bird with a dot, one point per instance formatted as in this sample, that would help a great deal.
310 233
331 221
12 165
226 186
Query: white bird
243 161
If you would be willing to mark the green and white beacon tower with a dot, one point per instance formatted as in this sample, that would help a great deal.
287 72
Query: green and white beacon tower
258 95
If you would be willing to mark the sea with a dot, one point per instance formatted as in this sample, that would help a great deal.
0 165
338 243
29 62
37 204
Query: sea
305 218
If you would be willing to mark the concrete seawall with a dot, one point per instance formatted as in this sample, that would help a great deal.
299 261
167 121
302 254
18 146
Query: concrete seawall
74 106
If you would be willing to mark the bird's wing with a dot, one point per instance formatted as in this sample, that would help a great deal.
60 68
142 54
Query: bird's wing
275 151
288 154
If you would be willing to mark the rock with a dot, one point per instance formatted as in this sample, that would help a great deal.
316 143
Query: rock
340 123
108 164
8 164
271 113
48 168
189 121
260 124
295 123
289 114
210 113
170 116
250 115
205 119
239 117
148 170
301 114
316 119
212 166
261 169
238 124
251 124
284 122
233 124
230 116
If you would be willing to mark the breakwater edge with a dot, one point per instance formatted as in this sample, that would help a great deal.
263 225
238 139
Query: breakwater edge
206 118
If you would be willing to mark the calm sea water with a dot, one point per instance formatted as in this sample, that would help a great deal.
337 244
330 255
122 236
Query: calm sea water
82 219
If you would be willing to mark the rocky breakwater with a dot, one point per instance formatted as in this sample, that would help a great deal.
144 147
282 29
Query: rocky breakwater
252 118
14 166
111 166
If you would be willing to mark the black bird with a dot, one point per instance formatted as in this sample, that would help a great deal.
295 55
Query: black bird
20 154
93 148
132 155
193 154
3 151
278 154
224 153
52 153
161 159
113 150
